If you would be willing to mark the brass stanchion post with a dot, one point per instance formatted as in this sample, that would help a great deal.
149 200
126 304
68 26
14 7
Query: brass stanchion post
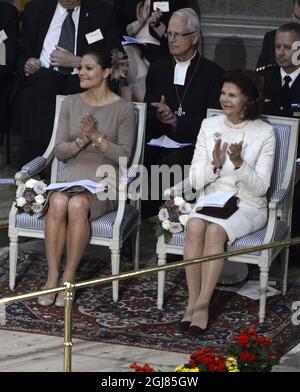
69 293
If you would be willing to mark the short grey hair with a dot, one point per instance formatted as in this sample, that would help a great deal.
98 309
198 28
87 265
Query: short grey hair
193 20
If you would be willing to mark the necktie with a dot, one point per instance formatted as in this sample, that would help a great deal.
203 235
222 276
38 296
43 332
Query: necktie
286 85
67 39
285 91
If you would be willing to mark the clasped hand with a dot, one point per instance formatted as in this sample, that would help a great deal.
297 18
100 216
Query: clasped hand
61 57
164 113
32 65
233 151
88 128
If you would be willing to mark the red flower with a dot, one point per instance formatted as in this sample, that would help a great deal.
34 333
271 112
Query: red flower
245 356
212 367
144 368
242 338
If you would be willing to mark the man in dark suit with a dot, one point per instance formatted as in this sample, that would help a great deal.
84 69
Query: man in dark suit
179 89
267 54
282 98
282 83
49 67
8 50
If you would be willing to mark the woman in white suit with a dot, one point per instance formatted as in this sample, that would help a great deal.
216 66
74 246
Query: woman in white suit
234 152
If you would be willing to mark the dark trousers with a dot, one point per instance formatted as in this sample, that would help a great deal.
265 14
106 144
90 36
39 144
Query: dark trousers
35 109
163 156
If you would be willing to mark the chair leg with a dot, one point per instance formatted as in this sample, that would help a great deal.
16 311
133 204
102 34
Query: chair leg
136 247
263 282
284 257
13 256
161 280
115 268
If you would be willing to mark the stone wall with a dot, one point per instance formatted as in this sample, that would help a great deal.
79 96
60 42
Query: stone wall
233 29
256 8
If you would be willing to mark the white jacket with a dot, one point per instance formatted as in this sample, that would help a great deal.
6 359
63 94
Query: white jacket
252 180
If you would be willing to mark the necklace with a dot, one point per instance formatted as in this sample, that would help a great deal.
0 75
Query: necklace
179 112
240 125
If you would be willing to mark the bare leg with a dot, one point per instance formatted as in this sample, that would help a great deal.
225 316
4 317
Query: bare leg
193 248
55 238
78 233
215 238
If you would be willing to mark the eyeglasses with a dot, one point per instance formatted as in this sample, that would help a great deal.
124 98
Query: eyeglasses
170 35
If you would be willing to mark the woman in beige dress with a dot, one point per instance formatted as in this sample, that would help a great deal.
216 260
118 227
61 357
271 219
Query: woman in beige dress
96 128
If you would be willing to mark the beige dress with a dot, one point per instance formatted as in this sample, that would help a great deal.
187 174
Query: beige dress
116 121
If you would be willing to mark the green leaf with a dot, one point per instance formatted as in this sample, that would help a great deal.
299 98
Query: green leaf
13 188
159 231
167 235
154 219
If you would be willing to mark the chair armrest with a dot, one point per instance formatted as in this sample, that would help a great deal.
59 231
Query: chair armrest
179 188
128 176
277 198
30 169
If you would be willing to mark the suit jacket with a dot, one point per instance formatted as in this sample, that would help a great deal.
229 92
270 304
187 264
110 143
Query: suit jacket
199 95
267 54
275 103
94 14
9 23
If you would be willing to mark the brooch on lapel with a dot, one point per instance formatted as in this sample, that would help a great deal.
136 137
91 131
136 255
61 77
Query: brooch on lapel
217 135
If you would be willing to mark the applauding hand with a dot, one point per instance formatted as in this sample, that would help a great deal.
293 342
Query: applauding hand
154 19
143 11
88 127
219 154
234 153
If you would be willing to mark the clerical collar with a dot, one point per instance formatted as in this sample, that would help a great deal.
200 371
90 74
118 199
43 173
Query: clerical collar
181 68
292 75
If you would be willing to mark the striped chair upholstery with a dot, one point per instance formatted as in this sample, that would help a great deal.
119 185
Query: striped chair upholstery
277 228
109 230
101 227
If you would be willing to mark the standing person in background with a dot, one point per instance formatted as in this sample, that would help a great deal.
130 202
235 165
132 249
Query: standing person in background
139 19
267 54
96 128
55 34
9 30
282 83
282 98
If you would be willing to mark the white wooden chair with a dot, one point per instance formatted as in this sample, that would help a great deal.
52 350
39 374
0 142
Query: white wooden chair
110 230
278 227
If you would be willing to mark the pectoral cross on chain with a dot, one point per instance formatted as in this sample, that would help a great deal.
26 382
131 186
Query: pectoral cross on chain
180 112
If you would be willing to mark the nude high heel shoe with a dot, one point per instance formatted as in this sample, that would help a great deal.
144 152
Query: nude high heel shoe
47 299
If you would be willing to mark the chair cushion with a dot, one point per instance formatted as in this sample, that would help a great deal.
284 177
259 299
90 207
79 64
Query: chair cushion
101 227
256 238
253 239
30 222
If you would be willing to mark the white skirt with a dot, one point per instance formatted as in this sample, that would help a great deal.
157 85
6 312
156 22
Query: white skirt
244 221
